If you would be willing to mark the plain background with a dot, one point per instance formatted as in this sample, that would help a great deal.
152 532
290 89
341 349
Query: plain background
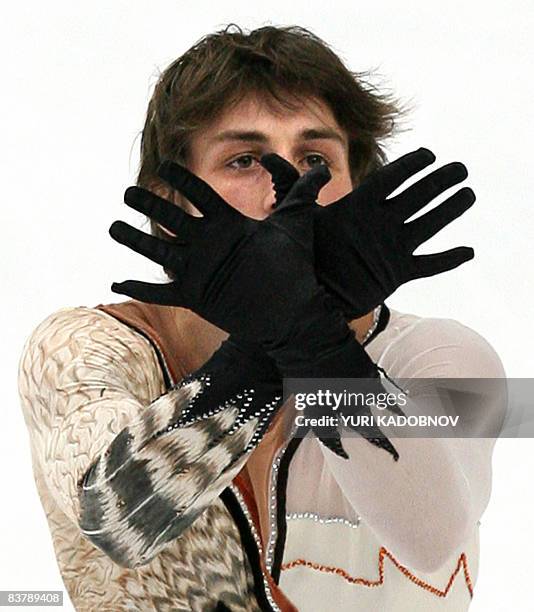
76 81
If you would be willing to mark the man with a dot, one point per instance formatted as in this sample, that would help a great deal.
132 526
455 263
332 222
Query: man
194 496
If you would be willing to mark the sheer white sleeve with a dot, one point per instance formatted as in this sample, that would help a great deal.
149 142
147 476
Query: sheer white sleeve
426 503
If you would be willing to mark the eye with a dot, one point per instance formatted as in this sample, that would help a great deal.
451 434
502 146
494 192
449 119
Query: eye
314 159
243 162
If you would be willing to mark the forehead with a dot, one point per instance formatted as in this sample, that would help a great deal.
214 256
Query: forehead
254 112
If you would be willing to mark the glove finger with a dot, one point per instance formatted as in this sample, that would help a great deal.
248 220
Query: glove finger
384 443
429 224
197 191
375 436
294 215
305 191
166 294
417 196
335 445
387 179
166 213
436 263
283 174
159 251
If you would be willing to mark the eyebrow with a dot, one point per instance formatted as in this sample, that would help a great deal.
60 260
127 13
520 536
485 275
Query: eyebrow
257 136
241 135
322 134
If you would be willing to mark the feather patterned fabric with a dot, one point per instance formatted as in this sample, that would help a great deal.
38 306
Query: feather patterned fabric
129 476
158 475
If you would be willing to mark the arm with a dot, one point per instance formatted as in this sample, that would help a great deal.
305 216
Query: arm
254 279
82 377
424 506
91 392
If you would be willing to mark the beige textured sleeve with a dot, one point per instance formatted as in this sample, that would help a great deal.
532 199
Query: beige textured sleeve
83 376
106 437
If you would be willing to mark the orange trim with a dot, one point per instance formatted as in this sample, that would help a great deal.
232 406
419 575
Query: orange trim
462 560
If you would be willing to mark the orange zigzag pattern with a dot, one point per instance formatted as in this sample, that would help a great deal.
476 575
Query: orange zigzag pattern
462 561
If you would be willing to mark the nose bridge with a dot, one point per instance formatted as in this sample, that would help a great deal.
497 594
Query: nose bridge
283 147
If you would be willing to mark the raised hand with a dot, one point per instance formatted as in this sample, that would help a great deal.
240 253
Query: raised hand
363 244
254 279
251 278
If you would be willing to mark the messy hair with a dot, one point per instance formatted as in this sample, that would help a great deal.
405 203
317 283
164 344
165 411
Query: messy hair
284 65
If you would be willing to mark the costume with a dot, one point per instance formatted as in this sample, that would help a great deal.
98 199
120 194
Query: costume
88 373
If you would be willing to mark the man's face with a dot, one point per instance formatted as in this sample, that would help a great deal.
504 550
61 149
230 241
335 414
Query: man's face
225 154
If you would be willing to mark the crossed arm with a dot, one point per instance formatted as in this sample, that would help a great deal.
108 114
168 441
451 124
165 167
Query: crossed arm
102 429
117 455
87 383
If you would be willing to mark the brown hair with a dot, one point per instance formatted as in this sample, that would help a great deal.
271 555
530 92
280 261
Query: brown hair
283 64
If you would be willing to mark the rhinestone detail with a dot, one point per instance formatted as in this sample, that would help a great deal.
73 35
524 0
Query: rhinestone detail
246 512
273 525
376 317
325 520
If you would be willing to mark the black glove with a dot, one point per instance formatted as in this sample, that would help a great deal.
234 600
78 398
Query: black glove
254 279
363 247
239 375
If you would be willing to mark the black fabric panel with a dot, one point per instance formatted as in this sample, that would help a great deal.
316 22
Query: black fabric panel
283 473
249 545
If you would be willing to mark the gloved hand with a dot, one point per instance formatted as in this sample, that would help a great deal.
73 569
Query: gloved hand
363 245
254 279
251 278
